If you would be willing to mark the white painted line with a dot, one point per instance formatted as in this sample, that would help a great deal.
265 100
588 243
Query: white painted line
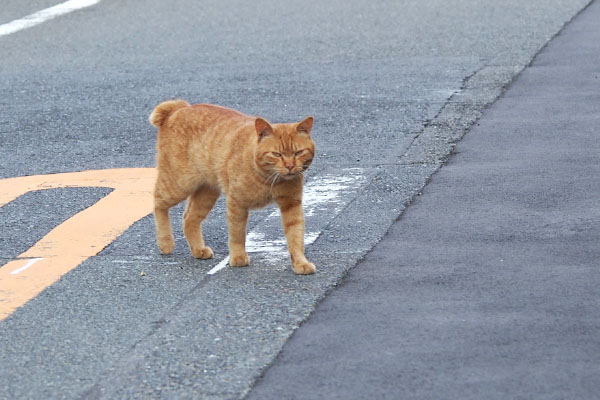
27 265
44 15
253 245
319 194
219 266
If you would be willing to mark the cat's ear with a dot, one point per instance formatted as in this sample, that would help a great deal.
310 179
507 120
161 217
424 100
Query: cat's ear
305 126
263 128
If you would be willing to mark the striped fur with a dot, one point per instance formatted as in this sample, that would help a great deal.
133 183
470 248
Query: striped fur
205 150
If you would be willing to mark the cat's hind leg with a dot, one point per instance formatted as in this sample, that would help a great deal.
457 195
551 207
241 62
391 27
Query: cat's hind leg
197 208
164 199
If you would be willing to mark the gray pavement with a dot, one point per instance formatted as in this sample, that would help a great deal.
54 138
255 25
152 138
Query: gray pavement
393 87
487 287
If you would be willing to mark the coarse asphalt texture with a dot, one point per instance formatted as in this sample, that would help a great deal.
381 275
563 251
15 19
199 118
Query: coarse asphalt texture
487 287
393 85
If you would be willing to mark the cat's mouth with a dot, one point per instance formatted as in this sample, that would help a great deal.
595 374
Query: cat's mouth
289 175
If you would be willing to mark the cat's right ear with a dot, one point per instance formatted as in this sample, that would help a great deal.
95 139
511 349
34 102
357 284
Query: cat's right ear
263 128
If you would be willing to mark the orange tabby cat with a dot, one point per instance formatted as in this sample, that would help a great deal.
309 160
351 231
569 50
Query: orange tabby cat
203 150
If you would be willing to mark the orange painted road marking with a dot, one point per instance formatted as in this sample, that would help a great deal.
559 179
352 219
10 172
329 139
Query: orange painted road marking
82 236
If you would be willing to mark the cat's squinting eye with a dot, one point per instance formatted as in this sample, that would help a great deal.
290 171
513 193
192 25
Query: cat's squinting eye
298 153
276 154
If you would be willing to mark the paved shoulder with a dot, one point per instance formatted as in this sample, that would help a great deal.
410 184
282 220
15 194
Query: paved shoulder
487 287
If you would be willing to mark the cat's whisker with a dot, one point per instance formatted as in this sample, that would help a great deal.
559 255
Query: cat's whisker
275 178
268 178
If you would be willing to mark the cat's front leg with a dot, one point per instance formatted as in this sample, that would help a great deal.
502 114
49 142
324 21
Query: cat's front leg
237 219
292 217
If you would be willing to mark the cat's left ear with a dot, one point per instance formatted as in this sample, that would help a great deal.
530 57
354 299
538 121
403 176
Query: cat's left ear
305 126
263 128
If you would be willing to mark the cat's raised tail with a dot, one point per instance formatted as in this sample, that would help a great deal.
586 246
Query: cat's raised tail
162 111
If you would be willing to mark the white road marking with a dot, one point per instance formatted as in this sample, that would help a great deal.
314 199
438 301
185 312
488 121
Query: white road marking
255 245
219 266
44 15
323 192
319 194
27 265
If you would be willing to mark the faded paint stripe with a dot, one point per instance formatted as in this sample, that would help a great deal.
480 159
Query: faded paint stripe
319 193
26 266
44 15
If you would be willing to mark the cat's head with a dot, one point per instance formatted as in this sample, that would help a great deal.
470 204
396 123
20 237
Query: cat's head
284 151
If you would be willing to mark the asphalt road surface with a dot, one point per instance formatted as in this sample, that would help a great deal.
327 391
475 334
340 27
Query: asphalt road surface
487 286
392 85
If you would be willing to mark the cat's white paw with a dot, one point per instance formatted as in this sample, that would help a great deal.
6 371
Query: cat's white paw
239 260
166 244
203 253
304 268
